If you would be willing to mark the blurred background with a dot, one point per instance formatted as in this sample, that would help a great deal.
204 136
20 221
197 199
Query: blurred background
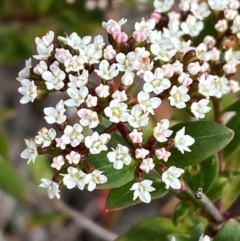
26 213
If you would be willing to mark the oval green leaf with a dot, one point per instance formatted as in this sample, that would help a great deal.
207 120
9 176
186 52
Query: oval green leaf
210 138
202 174
181 210
233 124
197 232
11 182
116 178
233 107
230 231
122 197
152 229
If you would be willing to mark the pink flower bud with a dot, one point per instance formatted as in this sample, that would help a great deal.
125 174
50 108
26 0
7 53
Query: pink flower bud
139 36
73 157
221 25
209 41
230 14
62 55
58 162
120 36
141 153
109 52
155 16
102 91
162 154
40 68
136 136
91 101
147 165
120 95
128 78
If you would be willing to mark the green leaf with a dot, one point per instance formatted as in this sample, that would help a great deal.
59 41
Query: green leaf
181 210
40 169
202 174
43 219
233 107
152 229
123 197
197 232
116 178
233 124
11 182
231 192
230 231
217 189
4 151
210 137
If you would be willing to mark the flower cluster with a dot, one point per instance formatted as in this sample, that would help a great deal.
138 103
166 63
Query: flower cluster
165 53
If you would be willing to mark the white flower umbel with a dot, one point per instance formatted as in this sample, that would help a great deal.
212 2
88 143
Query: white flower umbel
182 141
74 178
28 90
88 118
146 103
55 115
45 136
77 96
137 118
178 96
116 111
156 82
106 71
30 152
119 157
97 143
94 178
170 177
73 135
161 131
52 188
142 190
200 108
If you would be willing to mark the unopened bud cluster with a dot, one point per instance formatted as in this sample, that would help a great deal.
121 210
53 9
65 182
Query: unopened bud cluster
172 62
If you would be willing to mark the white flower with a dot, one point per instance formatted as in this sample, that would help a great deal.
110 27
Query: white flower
161 131
128 78
191 26
25 72
142 190
28 90
156 82
79 80
119 157
199 109
218 5
204 238
77 96
136 136
163 6
75 63
46 39
193 68
53 188
73 135
94 178
54 79
117 111
182 141
146 103
58 162
73 157
234 86
125 62
76 42
200 11
147 165
30 152
43 52
164 53
97 143
74 178
88 118
45 137
62 55
170 177
55 115
137 119
106 71
179 96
